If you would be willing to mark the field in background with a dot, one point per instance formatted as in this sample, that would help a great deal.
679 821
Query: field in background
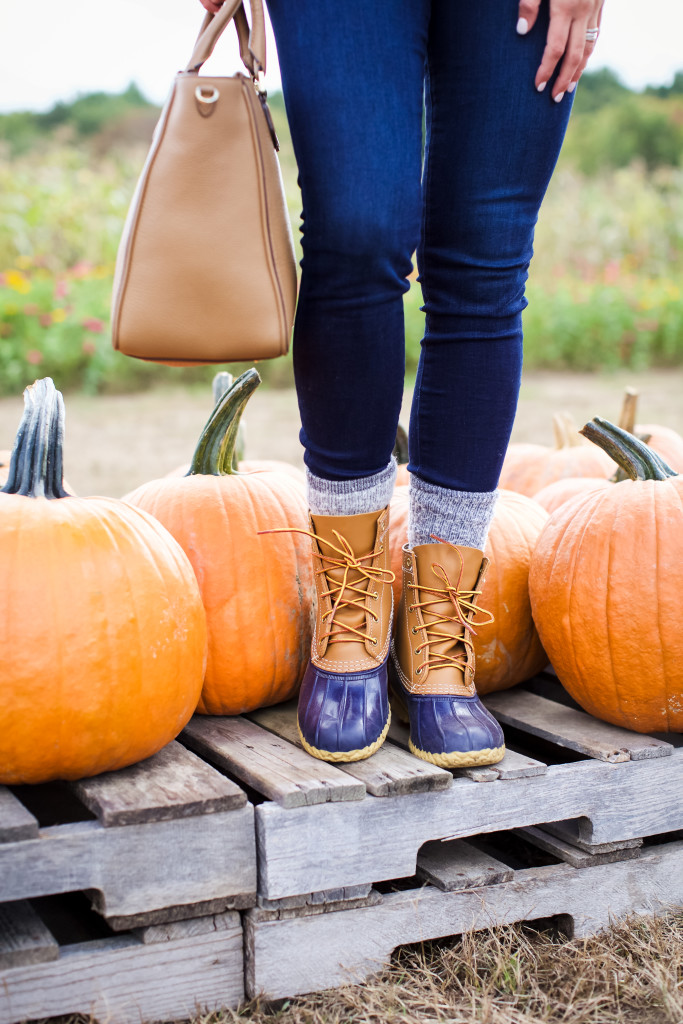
605 287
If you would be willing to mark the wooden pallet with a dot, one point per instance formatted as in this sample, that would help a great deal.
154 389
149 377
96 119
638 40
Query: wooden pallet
291 952
166 839
324 828
164 972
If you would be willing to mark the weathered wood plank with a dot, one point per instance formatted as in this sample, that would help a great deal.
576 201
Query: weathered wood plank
328 902
518 766
137 869
279 719
575 832
351 892
130 980
16 822
351 945
572 729
389 772
379 839
24 939
174 783
574 855
272 766
459 865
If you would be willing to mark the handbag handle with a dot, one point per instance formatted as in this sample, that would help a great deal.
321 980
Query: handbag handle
252 40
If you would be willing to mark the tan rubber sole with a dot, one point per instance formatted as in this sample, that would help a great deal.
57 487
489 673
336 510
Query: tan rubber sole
346 756
461 758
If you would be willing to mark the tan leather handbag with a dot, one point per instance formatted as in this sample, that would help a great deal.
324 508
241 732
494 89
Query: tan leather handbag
205 270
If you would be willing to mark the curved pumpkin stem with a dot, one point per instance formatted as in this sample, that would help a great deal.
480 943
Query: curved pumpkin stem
565 431
627 417
36 465
215 451
637 460
221 383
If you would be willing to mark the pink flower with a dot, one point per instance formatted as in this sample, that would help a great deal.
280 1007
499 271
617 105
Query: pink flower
61 289
91 323
31 309
611 273
34 357
89 348
3 281
45 319
81 269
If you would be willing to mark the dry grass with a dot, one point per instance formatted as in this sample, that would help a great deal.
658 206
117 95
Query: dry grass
632 974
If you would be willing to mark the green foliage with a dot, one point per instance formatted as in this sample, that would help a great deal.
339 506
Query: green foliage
643 128
84 117
604 288
598 89
675 89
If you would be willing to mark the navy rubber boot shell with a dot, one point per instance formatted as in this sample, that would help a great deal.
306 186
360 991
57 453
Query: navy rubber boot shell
449 731
343 716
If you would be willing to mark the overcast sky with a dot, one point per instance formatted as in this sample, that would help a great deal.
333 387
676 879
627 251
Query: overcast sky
54 49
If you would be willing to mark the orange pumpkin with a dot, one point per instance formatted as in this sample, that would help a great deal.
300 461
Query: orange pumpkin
606 582
555 494
509 650
527 468
102 628
402 475
257 590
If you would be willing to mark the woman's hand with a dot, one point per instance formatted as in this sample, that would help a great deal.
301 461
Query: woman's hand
570 21
211 5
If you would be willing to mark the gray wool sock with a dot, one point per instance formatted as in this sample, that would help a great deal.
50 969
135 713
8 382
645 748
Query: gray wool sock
460 517
351 497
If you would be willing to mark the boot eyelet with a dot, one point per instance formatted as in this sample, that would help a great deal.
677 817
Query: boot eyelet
414 630
374 642
418 671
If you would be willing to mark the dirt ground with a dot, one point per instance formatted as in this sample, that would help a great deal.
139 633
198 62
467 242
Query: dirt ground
115 443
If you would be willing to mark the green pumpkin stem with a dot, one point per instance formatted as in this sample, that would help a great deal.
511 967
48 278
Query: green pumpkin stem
36 465
635 458
215 451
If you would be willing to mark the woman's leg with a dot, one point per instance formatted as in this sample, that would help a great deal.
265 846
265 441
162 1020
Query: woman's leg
492 144
353 85
352 78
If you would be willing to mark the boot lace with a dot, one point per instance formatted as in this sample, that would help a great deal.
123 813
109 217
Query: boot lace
345 593
463 602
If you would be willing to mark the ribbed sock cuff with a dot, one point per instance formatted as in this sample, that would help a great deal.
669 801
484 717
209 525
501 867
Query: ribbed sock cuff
460 517
351 497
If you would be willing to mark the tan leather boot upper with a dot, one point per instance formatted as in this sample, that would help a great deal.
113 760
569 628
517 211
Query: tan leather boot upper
441 585
353 582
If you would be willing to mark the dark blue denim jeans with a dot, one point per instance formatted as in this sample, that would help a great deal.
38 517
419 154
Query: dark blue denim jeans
356 76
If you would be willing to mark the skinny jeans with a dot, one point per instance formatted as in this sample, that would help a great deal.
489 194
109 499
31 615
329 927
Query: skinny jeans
357 77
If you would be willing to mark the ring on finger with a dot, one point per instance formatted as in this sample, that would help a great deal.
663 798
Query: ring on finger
592 34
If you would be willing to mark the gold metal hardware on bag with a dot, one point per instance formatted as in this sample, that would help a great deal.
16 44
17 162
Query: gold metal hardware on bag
206 97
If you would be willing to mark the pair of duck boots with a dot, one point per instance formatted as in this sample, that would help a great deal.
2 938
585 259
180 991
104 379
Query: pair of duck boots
343 711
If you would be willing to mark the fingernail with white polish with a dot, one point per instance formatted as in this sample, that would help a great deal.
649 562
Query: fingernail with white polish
522 27
559 97
572 86
541 87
